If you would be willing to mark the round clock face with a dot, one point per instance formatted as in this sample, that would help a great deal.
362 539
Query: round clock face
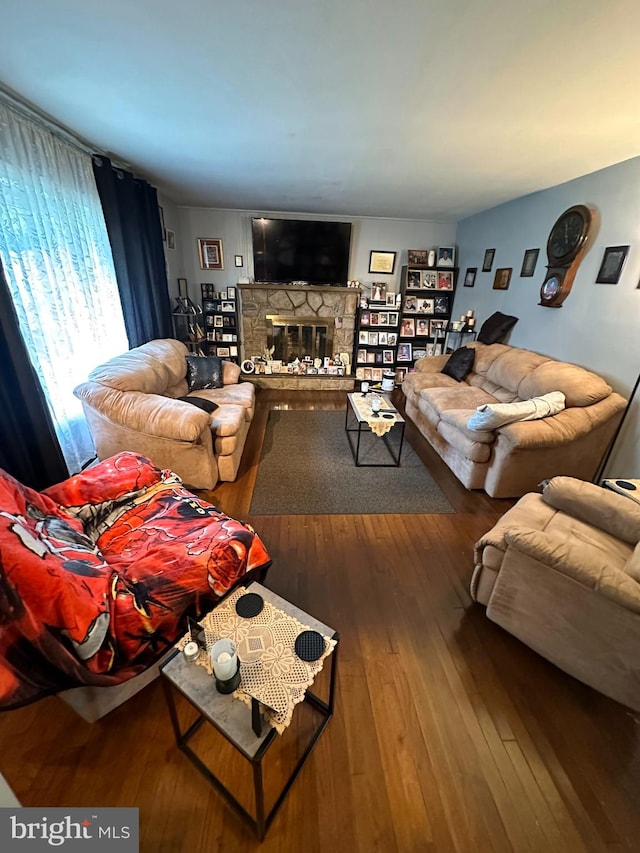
568 234
550 289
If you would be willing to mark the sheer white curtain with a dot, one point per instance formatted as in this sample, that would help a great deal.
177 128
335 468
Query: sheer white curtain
57 258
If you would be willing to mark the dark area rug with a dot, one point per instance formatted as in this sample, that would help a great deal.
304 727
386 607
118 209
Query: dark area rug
307 469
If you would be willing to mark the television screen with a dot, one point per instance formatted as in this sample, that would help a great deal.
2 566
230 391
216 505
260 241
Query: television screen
286 250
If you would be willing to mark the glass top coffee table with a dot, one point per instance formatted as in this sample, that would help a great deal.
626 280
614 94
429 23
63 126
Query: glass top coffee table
382 429
271 672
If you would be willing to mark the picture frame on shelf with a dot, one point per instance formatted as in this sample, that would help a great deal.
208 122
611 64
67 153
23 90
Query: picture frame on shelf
529 261
365 318
429 280
373 339
437 328
441 305
383 338
418 256
210 253
371 357
425 306
362 356
487 263
410 303
408 327
502 278
392 339
223 352
375 318
414 279
422 328
390 300
233 351
405 352
222 294
446 255
393 318
612 262
218 320
419 353
401 372
382 262
470 277
228 307
445 281
387 356
231 292
378 291
383 318
363 337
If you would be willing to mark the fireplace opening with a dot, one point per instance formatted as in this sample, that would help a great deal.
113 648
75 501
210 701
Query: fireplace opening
297 337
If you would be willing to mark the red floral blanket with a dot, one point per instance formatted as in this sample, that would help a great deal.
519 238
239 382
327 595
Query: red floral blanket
98 574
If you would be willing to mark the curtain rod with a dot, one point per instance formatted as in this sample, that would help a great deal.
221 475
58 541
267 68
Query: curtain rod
44 120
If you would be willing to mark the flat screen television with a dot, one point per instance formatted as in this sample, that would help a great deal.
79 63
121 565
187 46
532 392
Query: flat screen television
286 250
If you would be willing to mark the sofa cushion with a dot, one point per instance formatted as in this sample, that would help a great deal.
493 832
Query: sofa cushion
460 396
580 386
605 510
150 368
206 405
204 372
632 567
458 418
242 394
460 363
493 415
496 327
460 440
226 420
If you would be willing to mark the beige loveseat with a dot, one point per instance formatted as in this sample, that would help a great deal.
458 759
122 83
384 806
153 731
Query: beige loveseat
130 404
561 571
511 460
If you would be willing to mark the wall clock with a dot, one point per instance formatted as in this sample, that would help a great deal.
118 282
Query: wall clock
566 247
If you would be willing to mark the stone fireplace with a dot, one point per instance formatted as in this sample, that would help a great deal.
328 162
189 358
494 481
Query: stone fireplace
300 319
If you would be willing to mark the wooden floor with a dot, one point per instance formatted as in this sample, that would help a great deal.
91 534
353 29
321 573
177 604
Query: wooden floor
449 734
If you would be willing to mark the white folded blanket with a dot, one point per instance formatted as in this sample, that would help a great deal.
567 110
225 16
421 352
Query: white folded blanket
493 415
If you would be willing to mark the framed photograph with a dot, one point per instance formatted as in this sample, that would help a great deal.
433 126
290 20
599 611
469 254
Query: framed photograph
379 357
231 293
376 375
470 276
228 307
362 356
222 294
390 300
393 318
445 281
373 339
217 321
422 328
239 262
612 263
410 303
378 291
363 337
529 262
429 280
441 305
210 252
419 353
392 339
408 327
233 351
437 328
375 318
404 352
371 357
387 356
487 263
383 339
382 262
383 318
430 349
502 278
171 240
365 318
445 256
401 372
414 277
425 306
223 352
418 256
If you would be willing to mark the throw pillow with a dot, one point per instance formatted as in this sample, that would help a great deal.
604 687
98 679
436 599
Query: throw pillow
496 327
460 363
204 372
200 402
494 415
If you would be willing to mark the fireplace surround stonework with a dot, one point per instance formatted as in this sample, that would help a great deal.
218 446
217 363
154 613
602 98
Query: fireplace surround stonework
258 301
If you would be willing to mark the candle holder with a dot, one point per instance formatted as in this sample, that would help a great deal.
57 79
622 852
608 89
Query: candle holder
226 666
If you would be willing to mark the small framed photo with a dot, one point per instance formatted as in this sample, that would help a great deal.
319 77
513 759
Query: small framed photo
445 256
210 252
375 318
410 303
419 353
445 281
392 339
612 263
425 306
441 305
422 328
470 276
387 356
408 327
390 300
229 307
371 357
378 291
365 318
373 339
418 256
238 260
233 351
393 318
429 280
383 339
171 240
223 352
231 293
502 278
376 375
362 356
382 262
529 262
414 278
363 337
487 263
217 321
222 294
401 372
404 352
437 328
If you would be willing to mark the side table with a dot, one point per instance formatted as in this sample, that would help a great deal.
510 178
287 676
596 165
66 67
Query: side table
627 488
233 718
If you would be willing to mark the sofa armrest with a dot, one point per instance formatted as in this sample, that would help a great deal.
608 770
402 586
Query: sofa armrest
585 565
568 425
230 373
431 364
596 506
150 414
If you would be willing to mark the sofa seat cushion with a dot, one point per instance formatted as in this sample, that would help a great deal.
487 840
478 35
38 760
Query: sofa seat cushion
226 420
632 567
458 418
243 394
476 451
460 396
416 381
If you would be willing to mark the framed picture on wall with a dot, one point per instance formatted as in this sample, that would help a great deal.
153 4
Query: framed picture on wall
529 262
382 262
611 266
470 276
502 278
488 260
210 252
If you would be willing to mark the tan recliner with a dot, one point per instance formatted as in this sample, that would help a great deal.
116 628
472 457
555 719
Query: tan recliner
561 571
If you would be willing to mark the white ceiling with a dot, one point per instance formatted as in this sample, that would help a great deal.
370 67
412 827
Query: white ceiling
425 109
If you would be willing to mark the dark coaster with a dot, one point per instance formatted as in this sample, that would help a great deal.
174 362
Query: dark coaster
309 645
249 605
387 415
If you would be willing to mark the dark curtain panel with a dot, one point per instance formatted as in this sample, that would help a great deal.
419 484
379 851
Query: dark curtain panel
29 448
131 212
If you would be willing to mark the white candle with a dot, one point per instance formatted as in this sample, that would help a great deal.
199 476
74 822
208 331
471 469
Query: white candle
224 660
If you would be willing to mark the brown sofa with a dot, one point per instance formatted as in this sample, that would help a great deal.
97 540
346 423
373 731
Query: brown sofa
561 571
130 404
512 459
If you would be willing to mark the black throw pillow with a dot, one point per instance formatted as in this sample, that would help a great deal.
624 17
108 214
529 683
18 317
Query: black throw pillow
200 402
460 363
495 328
204 372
